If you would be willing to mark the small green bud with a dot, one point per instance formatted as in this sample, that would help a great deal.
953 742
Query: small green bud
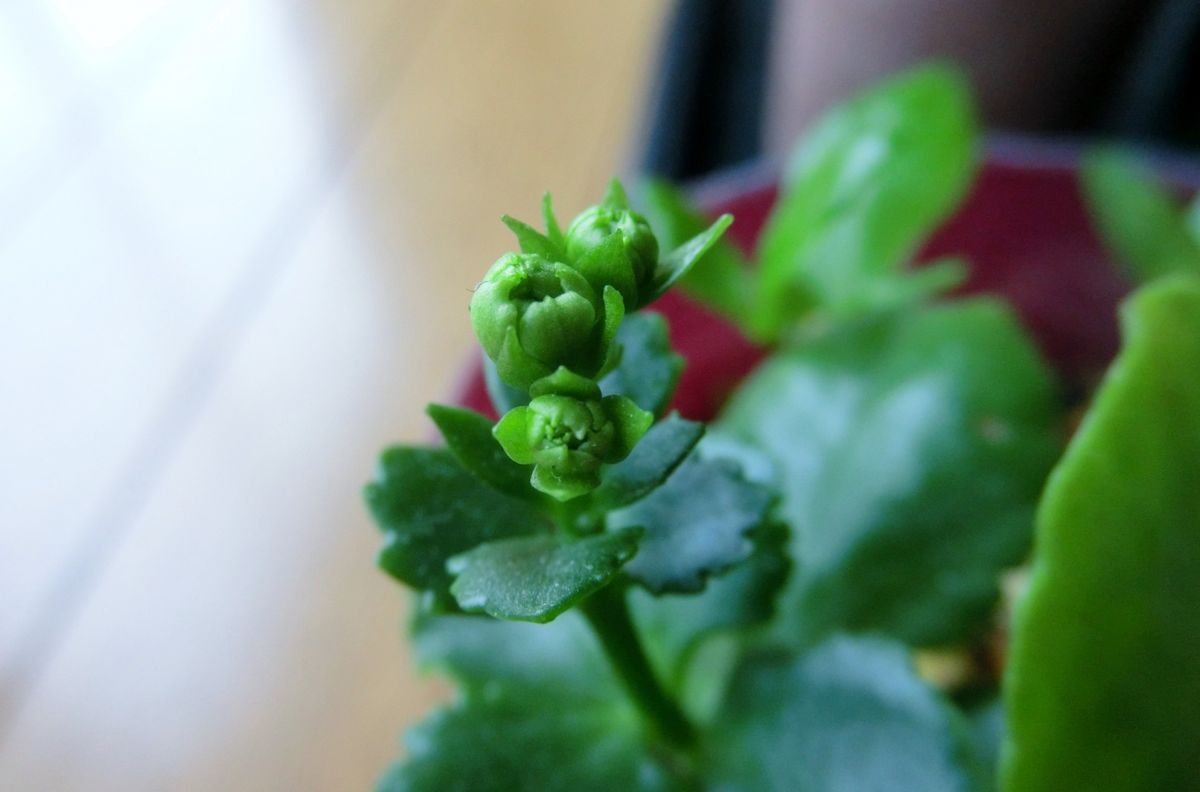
532 315
567 439
638 250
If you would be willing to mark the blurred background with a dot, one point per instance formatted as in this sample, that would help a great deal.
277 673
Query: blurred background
237 240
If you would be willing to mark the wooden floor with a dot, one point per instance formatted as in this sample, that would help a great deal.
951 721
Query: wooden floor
237 239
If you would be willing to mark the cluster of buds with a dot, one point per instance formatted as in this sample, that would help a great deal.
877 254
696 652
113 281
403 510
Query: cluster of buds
547 317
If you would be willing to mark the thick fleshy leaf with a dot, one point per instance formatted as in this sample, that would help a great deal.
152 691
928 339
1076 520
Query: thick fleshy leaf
534 241
561 658
649 368
1103 682
541 709
697 524
431 509
866 185
653 459
504 743
469 436
1143 223
910 451
849 716
674 626
721 279
987 729
536 578
680 261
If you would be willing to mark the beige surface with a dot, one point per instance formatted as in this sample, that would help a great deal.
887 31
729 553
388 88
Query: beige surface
236 244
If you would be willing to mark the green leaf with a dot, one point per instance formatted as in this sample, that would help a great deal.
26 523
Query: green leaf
680 261
910 450
469 436
553 230
504 396
650 463
674 626
1103 681
536 578
533 241
866 185
649 367
721 279
541 709
484 654
987 730
1143 223
539 742
431 509
614 196
697 524
848 716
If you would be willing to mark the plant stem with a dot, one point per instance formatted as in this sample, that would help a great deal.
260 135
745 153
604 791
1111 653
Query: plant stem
608 614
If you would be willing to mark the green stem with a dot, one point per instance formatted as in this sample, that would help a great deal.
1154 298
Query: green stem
608 614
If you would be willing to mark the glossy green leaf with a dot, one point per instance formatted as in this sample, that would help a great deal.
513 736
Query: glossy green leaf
697 524
866 185
649 368
849 716
987 729
540 709
721 279
430 509
562 658
1103 681
1139 219
536 578
469 436
682 259
653 459
674 626
533 241
911 450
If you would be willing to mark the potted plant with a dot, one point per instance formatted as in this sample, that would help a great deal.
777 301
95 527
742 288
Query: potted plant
802 577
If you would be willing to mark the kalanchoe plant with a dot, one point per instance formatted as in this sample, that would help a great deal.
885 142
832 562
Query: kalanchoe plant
631 600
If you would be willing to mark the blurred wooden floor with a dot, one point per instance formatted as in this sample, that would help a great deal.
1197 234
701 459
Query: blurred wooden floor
236 244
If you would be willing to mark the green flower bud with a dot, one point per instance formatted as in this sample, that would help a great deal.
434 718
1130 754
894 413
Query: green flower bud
532 315
568 438
637 251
